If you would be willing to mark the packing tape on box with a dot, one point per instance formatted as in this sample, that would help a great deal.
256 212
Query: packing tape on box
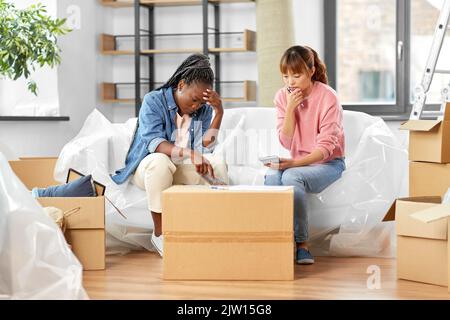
239 237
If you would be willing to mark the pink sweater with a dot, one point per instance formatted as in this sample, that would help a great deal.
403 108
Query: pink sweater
318 124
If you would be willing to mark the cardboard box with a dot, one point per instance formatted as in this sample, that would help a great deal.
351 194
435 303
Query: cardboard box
37 173
227 235
428 179
85 229
422 249
429 140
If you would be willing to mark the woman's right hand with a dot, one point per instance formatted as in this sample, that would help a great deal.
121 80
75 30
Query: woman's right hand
202 165
293 98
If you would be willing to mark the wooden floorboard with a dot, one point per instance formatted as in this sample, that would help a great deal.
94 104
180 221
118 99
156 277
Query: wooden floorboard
138 276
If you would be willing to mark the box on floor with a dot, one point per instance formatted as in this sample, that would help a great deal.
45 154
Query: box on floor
227 235
428 179
85 230
422 245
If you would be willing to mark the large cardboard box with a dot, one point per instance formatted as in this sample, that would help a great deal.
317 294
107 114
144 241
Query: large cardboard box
428 179
429 140
228 235
422 248
85 229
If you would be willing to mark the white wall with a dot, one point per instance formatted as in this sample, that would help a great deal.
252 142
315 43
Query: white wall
78 90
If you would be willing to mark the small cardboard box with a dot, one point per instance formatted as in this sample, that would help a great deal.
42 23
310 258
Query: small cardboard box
428 179
227 235
85 229
422 248
429 140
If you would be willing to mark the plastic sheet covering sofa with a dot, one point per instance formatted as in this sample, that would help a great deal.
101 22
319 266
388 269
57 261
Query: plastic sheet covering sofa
35 261
345 219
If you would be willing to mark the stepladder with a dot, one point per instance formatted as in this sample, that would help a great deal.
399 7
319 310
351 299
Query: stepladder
423 87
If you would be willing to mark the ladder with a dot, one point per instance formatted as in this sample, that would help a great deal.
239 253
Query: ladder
422 88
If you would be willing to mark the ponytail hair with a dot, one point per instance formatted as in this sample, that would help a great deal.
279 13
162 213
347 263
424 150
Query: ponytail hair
195 69
302 59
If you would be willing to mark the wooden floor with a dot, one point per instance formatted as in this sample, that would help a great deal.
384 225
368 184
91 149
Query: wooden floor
138 276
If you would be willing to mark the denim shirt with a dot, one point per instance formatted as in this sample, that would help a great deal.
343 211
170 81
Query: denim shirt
156 124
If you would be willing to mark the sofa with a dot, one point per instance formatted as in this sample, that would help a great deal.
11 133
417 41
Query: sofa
345 219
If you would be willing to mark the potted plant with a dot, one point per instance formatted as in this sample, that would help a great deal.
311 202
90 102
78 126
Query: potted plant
28 39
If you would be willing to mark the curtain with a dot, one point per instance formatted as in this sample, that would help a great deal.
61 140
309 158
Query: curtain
16 100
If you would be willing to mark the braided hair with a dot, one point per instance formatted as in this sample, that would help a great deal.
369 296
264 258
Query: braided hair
196 68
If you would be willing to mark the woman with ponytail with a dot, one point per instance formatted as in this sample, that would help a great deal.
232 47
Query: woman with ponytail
309 124
175 136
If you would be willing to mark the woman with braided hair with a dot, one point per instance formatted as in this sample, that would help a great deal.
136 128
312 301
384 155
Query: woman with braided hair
175 136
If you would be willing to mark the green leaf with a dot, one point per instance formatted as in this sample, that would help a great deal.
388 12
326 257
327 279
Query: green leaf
28 39
32 87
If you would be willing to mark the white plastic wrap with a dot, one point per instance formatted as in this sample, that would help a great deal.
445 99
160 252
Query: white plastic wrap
99 149
446 197
344 219
35 261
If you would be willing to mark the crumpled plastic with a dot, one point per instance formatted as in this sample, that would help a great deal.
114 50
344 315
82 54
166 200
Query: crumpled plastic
446 198
99 149
344 220
35 260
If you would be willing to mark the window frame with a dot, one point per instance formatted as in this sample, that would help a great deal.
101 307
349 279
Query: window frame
402 107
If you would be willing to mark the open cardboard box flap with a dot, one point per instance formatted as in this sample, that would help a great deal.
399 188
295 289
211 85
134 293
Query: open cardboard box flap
425 125
404 210
420 125
390 215
438 212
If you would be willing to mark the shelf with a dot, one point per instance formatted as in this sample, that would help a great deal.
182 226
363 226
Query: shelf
108 45
34 118
249 44
249 89
109 93
117 4
162 51
121 101
164 3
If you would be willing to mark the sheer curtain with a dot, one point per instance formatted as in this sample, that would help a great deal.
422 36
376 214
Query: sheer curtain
16 100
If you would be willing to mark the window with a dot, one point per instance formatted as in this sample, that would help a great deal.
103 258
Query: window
376 51
16 100
376 86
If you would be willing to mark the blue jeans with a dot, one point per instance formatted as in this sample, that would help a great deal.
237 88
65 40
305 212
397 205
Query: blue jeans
309 179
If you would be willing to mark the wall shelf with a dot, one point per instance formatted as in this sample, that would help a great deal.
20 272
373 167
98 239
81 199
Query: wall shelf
33 118
213 42
163 3
108 46
109 92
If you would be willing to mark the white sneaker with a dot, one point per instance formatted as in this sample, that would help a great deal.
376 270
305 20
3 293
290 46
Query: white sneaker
157 242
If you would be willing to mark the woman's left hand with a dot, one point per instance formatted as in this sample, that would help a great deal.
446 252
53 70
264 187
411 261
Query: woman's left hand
283 164
212 98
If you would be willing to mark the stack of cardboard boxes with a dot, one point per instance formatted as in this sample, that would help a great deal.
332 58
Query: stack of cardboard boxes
422 222
85 229
429 155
